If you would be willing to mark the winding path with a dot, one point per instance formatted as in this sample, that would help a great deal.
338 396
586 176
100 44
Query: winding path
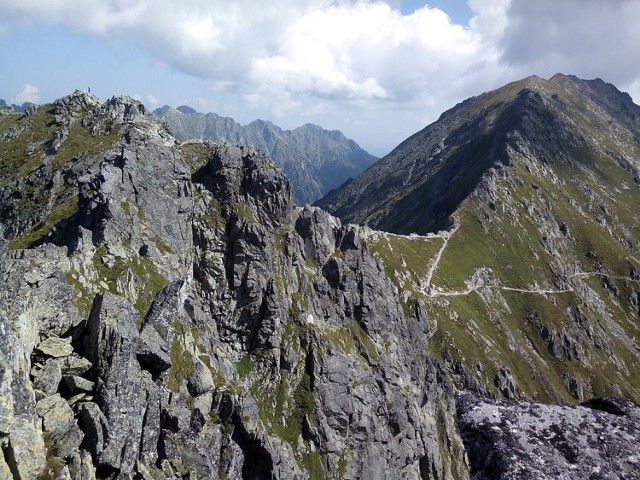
431 291
446 235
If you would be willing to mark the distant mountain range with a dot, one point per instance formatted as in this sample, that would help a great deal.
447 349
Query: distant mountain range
18 108
316 160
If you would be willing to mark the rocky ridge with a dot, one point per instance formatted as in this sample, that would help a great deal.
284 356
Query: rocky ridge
16 108
314 159
168 313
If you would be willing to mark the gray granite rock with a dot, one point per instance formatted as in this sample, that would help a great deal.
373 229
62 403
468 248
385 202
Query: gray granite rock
112 343
56 347
153 351
47 377
77 384
524 440
59 424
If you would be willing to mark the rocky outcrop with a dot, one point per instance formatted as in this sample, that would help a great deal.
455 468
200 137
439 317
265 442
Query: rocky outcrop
183 318
598 439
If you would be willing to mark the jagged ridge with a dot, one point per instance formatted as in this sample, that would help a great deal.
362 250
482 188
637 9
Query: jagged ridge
316 160
168 312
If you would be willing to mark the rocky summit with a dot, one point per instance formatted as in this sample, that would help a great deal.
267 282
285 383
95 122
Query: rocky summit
167 312
314 159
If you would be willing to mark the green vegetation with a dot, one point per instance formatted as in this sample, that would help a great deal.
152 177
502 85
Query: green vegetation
23 153
142 267
36 234
195 154
283 412
182 365
513 254
243 210
153 282
286 399
82 297
351 339
244 366
363 339
163 247
406 261
81 144
213 216
312 463
341 338
221 382
405 254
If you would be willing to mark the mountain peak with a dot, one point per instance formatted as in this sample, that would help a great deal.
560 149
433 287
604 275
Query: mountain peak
186 109
527 198
315 159
436 169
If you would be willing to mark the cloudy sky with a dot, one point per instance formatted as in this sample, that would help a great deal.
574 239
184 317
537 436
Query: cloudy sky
377 70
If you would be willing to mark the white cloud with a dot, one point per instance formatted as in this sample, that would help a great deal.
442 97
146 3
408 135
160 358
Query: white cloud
151 101
29 93
331 56
587 38
356 51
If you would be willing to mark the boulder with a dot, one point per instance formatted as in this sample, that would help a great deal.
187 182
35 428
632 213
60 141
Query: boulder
112 345
46 378
94 425
26 454
77 384
55 347
525 440
62 432
153 351
74 365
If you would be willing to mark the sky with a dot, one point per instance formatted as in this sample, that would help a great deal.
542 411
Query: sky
378 70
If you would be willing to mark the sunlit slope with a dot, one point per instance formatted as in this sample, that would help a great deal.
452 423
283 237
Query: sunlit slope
534 288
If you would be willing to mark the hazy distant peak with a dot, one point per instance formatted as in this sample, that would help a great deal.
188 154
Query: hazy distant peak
186 109
316 160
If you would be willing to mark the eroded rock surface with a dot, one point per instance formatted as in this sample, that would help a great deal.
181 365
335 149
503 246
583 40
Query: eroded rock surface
523 440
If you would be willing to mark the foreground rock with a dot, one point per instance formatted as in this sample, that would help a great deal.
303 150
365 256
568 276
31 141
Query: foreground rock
169 313
511 440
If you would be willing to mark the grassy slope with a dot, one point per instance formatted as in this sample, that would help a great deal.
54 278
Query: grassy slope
543 225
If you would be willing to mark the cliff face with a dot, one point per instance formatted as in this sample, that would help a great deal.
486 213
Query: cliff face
166 311
314 159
